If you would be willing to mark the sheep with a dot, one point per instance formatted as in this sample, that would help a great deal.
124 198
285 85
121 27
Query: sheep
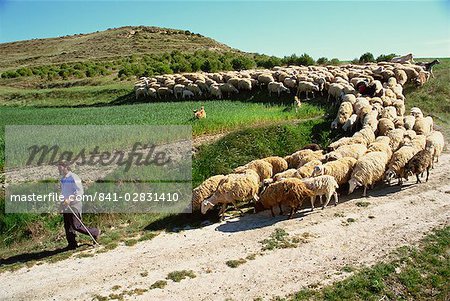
205 190
370 119
342 141
422 78
289 173
365 135
367 171
336 91
340 169
290 82
178 90
423 126
290 192
307 170
322 185
228 89
351 98
278 164
215 91
301 157
407 58
381 146
199 114
416 112
263 168
399 106
396 138
304 86
245 84
385 125
397 163
140 92
436 141
344 112
234 187
194 88
389 112
420 162
265 78
353 150
187 94
401 76
234 81
409 122
164 92
276 87
350 123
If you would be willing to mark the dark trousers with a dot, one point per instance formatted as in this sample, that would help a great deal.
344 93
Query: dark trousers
72 224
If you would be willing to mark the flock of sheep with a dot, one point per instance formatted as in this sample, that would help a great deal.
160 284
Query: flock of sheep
386 143
298 80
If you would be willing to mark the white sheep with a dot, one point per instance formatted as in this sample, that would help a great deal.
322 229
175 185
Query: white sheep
276 87
423 125
322 186
435 140
205 190
352 150
304 86
350 123
341 169
368 170
234 187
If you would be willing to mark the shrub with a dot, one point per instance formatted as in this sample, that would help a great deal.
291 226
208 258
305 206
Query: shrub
335 61
366 58
322 61
386 57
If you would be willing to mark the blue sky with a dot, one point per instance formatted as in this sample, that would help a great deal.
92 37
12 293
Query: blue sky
342 29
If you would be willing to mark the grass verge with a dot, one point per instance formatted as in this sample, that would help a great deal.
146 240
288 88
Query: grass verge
413 273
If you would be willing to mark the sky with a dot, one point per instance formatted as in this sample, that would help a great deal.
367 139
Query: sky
342 29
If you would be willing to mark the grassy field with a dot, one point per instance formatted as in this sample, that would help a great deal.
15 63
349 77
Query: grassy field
434 97
412 273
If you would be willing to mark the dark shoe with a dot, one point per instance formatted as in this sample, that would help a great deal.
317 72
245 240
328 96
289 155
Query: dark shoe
71 246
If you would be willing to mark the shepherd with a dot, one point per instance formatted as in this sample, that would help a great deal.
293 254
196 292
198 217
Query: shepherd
72 191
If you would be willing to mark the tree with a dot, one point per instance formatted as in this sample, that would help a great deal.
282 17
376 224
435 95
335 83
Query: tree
242 62
366 58
322 61
335 61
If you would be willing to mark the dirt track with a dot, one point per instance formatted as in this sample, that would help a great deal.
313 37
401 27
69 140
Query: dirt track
397 217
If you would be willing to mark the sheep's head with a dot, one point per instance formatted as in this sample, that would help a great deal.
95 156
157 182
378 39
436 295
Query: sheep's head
389 176
353 184
318 171
206 205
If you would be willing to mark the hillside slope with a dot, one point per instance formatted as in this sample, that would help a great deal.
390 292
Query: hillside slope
102 45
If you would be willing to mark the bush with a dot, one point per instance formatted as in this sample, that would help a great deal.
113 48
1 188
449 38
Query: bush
386 57
366 58
242 62
322 61
10 74
335 61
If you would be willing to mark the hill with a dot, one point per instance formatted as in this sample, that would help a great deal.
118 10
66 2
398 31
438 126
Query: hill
103 45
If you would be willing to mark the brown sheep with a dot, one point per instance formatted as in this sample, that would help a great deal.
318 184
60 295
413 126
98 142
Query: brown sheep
420 162
290 192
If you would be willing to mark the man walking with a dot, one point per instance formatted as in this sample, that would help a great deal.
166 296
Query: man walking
72 190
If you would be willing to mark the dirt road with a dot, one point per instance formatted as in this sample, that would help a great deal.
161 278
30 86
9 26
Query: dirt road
347 234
